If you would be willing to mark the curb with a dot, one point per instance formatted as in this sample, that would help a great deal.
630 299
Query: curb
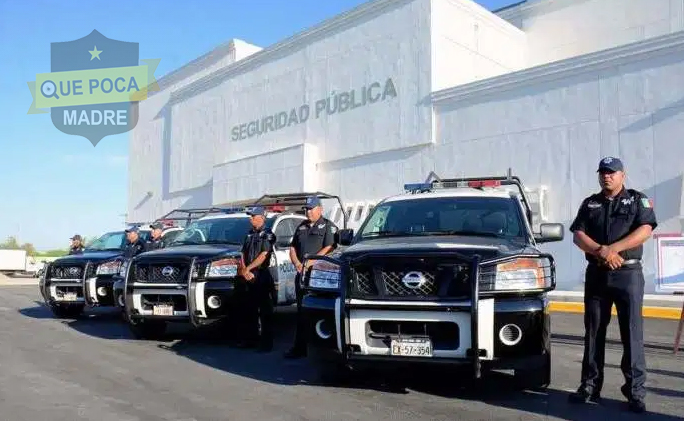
650 312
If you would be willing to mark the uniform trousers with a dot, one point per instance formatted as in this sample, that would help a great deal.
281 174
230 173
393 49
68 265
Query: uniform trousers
300 342
623 287
258 308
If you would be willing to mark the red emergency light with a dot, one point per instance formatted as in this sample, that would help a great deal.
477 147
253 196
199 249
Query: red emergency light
275 208
484 183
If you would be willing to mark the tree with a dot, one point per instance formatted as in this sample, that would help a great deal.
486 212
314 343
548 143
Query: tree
12 244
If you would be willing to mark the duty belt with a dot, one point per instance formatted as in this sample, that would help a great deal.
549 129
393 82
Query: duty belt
628 262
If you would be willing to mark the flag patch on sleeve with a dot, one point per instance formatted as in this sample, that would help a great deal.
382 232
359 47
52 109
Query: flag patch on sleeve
647 203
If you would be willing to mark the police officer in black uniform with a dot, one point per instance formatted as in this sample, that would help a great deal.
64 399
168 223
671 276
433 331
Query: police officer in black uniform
316 235
257 249
76 245
155 242
134 244
611 227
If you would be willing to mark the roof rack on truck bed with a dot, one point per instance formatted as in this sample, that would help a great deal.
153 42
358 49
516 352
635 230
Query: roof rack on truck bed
434 182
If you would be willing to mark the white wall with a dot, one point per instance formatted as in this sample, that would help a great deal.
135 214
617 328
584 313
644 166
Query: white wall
385 52
558 29
553 124
167 160
470 43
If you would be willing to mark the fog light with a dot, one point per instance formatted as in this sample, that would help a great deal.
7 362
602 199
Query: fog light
120 299
322 329
102 291
510 335
214 302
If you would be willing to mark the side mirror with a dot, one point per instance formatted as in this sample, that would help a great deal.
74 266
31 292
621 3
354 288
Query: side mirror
345 236
550 232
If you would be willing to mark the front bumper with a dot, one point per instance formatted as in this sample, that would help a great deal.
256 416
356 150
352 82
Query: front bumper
98 291
512 333
197 301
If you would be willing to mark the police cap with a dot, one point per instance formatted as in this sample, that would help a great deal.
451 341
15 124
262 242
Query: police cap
256 210
312 202
610 164
157 225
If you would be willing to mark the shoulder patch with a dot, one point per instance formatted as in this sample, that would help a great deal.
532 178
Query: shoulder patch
646 203
593 205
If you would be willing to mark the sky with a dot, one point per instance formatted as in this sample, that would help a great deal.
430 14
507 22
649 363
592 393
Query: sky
55 185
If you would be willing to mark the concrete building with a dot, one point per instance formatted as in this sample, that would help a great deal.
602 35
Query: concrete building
385 93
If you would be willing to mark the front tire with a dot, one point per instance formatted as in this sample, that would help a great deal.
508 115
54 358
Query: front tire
67 311
537 378
148 329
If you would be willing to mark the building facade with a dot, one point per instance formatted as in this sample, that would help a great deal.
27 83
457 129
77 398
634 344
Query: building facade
385 93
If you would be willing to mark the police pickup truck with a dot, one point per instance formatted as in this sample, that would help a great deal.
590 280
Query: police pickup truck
449 273
72 282
193 279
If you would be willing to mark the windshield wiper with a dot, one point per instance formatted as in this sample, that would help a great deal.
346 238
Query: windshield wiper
388 234
184 243
466 233
232 243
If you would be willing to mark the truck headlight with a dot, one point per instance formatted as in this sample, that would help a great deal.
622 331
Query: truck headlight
123 268
324 275
108 268
223 268
523 274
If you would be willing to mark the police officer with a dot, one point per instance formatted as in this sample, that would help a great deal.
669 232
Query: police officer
76 245
611 228
257 249
134 244
155 242
316 235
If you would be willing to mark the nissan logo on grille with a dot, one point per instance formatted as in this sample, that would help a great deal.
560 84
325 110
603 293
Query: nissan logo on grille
414 280
73 271
167 271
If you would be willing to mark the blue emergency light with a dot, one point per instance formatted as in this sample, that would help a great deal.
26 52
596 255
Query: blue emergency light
418 187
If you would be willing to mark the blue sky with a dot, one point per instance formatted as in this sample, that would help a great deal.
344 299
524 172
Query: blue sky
54 185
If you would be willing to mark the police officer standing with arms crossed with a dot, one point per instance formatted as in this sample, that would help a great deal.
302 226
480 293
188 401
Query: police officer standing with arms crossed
155 242
611 228
254 269
316 235
134 244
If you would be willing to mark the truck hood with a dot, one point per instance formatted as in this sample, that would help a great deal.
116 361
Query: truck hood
89 256
487 247
204 251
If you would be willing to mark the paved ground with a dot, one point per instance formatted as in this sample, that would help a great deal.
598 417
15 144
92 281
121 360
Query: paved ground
92 369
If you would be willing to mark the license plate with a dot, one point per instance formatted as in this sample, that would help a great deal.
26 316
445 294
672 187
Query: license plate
411 347
162 310
69 296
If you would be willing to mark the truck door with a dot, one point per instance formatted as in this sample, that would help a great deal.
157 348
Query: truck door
284 230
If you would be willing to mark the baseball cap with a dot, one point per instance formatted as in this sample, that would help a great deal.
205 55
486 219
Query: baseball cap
256 210
132 229
312 202
76 237
611 164
157 225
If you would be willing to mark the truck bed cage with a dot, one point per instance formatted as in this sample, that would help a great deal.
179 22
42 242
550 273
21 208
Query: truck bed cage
297 200
191 214
434 182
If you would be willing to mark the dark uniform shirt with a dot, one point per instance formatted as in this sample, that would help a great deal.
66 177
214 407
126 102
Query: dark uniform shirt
134 249
311 239
257 242
609 220
76 250
152 244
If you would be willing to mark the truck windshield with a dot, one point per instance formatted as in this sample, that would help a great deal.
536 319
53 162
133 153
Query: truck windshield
475 216
215 231
108 241
111 241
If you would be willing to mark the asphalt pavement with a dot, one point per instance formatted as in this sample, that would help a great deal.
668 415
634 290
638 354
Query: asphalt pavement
92 369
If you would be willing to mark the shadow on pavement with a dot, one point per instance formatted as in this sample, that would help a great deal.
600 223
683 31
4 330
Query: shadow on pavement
212 347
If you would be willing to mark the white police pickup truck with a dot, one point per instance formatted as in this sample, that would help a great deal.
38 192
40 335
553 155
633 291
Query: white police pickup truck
193 279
